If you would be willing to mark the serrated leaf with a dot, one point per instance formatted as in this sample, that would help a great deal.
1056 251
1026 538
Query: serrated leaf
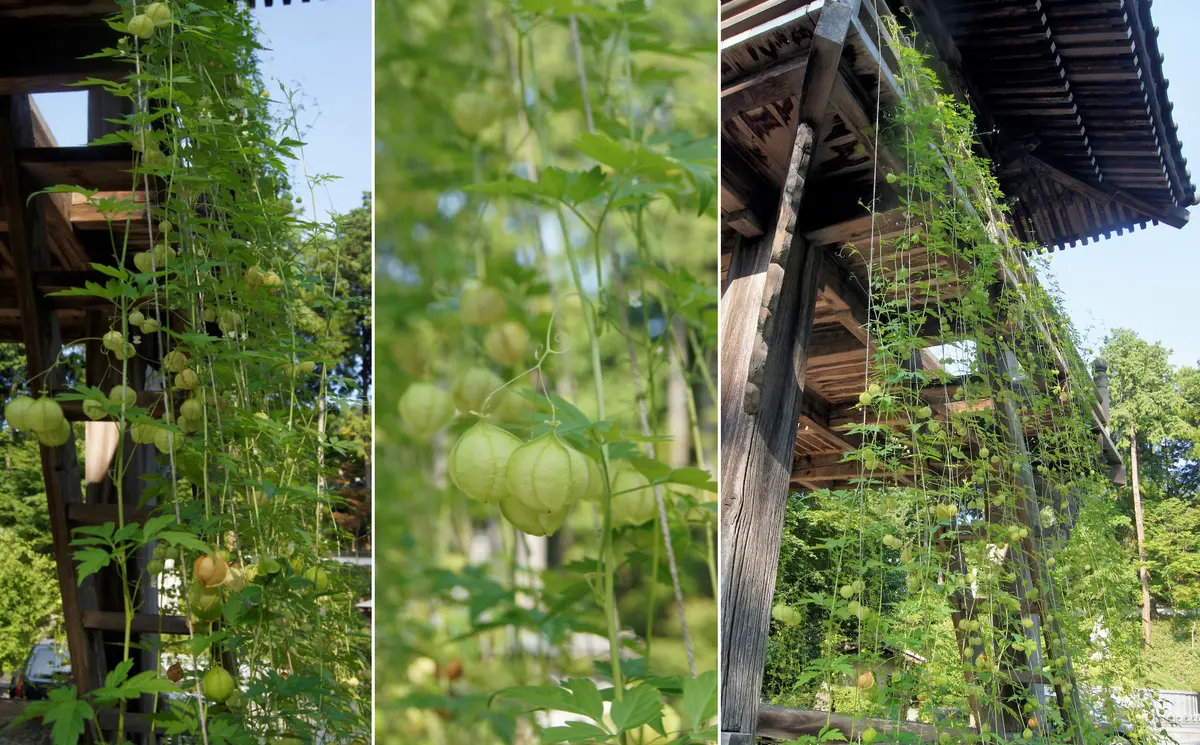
697 477
91 560
187 540
587 697
637 707
574 732
700 698
547 697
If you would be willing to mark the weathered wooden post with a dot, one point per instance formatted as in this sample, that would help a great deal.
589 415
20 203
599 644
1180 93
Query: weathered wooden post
766 322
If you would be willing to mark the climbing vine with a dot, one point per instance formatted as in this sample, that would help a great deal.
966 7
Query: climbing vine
970 577
547 431
219 364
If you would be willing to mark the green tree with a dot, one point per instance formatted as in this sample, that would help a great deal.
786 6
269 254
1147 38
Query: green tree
1147 413
30 606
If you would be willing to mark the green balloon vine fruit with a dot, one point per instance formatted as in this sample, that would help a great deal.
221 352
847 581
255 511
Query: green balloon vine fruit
217 685
546 474
479 460
633 501
425 409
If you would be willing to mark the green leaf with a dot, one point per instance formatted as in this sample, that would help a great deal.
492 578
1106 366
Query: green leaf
65 711
587 697
118 674
91 560
187 540
637 707
549 697
697 477
652 469
574 732
700 698
118 274
604 150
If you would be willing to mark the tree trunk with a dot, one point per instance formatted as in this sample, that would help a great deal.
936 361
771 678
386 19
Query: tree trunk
1143 572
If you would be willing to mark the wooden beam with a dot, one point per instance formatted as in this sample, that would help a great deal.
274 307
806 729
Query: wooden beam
857 231
99 514
763 17
142 623
824 58
763 368
782 723
102 167
771 85
745 222
47 55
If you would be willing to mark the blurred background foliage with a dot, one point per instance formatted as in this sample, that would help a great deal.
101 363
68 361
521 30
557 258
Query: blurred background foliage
475 101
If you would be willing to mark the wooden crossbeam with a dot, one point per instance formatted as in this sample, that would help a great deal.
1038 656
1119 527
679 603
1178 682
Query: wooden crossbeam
782 723
48 55
102 167
141 623
773 84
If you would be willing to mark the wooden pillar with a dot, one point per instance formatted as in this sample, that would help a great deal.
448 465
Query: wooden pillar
766 322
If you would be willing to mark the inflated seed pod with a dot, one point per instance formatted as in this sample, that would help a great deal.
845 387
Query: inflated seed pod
507 343
192 409
483 305
473 387
546 474
425 409
479 460
44 415
175 361
187 380
57 436
633 501
122 393
142 433
16 412
93 409
166 440
533 522
595 487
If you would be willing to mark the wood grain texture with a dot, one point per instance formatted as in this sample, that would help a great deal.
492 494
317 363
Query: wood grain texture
766 321
782 723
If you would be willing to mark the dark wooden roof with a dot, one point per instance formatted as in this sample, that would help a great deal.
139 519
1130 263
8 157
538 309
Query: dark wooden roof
1070 97
765 48
1074 111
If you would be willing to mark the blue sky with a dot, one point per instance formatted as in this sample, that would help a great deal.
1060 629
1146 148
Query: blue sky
1149 280
322 48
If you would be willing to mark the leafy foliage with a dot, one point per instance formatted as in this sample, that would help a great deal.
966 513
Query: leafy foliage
980 545
255 324
562 168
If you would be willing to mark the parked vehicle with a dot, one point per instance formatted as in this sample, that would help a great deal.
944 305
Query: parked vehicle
48 667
